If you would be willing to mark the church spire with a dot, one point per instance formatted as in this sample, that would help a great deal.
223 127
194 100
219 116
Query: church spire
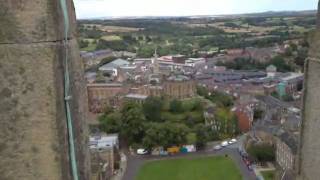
155 62
155 55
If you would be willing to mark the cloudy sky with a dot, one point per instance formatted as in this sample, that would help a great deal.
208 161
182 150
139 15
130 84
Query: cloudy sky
104 8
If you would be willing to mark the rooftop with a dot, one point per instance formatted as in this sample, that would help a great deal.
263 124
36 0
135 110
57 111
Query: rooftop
114 64
105 85
292 76
136 96
290 140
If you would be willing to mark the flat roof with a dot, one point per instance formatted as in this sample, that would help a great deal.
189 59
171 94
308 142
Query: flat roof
136 96
292 76
104 85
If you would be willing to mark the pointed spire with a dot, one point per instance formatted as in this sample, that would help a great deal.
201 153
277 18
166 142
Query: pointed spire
155 53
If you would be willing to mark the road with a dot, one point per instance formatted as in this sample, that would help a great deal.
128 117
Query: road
135 161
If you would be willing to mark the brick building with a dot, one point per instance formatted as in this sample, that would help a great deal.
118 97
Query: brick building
245 117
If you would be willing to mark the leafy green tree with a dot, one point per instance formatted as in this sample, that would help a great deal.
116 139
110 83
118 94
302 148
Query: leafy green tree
83 43
152 108
301 57
226 122
176 106
133 122
202 136
281 64
257 114
165 134
221 99
202 91
115 45
155 136
110 123
177 133
262 152
145 51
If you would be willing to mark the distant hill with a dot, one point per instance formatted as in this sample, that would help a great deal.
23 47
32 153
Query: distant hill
262 14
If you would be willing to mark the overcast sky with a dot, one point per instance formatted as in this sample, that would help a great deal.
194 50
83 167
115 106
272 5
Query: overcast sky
104 8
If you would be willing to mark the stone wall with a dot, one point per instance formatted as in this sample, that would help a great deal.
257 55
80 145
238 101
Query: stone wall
33 134
309 156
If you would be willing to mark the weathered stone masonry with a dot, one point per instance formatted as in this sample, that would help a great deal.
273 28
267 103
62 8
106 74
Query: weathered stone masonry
309 153
33 134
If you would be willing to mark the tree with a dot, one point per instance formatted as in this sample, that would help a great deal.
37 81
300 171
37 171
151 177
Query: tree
145 52
152 108
202 91
155 136
227 123
301 57
281 65
133 122
176 106
83 43
176 133
165 134
222 100
202 136
110 123
257 114
262 152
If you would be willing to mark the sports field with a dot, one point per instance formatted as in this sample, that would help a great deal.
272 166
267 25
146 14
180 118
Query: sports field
205 168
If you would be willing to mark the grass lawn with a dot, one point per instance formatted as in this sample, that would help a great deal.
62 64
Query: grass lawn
91 47
268 175
111 38
205 168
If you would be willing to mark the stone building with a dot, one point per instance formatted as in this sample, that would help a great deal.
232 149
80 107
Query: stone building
286 151
293 82
179 87
102 95
104 151
102 161
172 89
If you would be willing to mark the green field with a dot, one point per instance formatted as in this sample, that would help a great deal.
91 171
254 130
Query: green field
205 168
268 175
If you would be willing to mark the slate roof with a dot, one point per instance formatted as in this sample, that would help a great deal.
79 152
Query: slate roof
114 64
290 140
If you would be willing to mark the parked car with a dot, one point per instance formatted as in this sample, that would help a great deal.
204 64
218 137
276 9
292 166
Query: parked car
232 141
217 147
224 143
142 151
